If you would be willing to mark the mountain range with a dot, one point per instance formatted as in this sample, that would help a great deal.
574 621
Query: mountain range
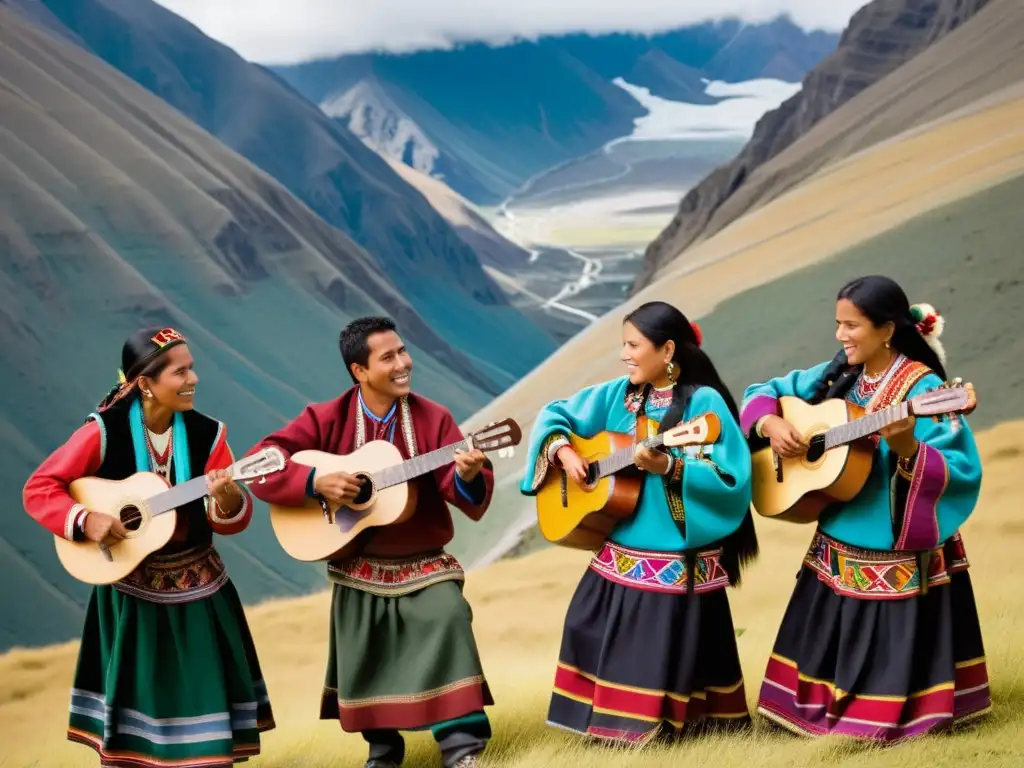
487 118
348 186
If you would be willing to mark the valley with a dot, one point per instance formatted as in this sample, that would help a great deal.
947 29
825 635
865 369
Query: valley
586 222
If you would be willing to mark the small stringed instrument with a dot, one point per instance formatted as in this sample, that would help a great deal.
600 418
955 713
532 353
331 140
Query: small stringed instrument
147 505
386 497
839 456
582 518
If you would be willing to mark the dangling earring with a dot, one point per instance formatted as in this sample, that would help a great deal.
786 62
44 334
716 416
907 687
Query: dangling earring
671 372
887 345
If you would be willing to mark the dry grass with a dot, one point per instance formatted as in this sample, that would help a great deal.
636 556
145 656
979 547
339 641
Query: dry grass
519 606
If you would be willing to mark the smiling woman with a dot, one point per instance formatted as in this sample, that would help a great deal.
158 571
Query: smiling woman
881 640
648 647
167 670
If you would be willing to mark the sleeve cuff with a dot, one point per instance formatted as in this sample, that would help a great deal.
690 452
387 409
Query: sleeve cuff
74 523
920 529
553 450
472 492
239 515
756 409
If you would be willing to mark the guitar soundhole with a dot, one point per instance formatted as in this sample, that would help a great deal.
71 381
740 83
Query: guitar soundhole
366 492
816 448
131 517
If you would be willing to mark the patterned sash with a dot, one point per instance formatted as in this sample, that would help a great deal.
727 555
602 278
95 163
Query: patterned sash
392 577
870 574
180 577
897 384
659 571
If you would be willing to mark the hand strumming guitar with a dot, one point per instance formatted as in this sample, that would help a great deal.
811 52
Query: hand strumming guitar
99 527
900 437
339 488
785 438
469 463
650 460
575 466
224 490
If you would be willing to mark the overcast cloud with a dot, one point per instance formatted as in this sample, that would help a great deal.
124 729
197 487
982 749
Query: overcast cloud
288 31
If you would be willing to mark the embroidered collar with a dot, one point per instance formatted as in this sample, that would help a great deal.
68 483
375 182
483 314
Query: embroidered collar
897 384
371 414
385 428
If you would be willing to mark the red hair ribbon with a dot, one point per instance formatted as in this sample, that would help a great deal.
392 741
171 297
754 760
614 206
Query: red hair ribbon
698 333
926 325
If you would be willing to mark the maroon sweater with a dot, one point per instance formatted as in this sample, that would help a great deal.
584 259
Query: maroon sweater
332 427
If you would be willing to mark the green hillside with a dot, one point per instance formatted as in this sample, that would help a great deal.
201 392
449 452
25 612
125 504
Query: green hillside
964 259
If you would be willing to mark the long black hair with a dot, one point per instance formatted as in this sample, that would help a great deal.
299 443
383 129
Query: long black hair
144 353
659 322
881 300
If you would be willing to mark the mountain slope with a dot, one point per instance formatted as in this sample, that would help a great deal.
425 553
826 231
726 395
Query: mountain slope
493 249
509 264
936 207
899 64
117 211
255 113
485 119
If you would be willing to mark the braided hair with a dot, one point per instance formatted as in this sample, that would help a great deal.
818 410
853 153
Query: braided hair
144 353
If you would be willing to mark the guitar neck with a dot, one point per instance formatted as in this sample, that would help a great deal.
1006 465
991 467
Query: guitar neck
179 495
418 465
623 457
865 425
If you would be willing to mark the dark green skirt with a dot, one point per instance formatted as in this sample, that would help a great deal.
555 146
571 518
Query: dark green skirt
168 684
405 662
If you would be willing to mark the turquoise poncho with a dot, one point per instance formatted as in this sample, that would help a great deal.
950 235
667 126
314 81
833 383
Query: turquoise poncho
946 476
713 492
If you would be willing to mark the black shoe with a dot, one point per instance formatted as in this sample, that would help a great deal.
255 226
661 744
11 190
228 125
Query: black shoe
377 763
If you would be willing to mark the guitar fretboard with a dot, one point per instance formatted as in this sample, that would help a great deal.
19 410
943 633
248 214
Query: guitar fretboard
623 457
865 425
417 465
178 495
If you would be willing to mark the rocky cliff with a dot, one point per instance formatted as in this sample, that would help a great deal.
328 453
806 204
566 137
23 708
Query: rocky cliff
881 37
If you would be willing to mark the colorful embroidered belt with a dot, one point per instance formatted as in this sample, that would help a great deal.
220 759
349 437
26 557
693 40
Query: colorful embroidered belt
176 578
659 571
391 577
870 574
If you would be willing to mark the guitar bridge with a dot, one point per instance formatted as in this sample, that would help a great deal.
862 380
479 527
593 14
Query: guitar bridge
326 509
777 463
565 490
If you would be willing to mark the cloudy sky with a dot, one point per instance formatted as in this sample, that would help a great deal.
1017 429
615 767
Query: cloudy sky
287 31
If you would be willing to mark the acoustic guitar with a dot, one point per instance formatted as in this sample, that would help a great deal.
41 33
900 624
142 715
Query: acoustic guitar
147 505
839 456
582 517
387 497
